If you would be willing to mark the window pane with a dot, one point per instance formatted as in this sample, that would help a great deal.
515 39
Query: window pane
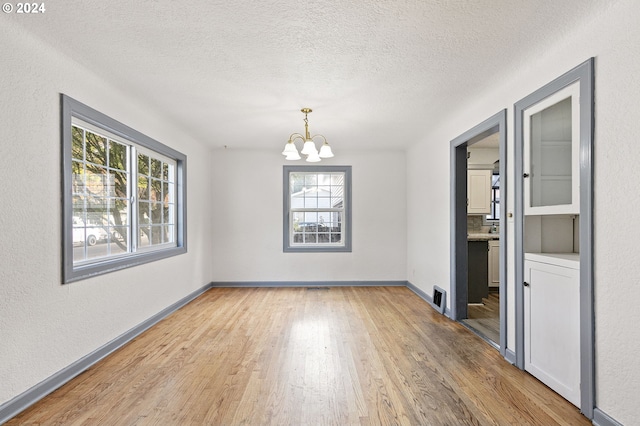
77 177
77 148
78 208
143 188
156 235
144 216
97 212
167 213
144 237
95 149
155 193
117 155
113 179
156 168
96 180
169 234
324 202
171 193
118 218
143 164
311 218
165 193
310 179
337 179
310 201
117 247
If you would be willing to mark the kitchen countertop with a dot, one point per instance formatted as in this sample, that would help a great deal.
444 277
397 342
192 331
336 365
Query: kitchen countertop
482 236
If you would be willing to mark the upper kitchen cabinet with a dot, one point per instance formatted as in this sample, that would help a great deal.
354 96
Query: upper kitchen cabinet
551 131
479 192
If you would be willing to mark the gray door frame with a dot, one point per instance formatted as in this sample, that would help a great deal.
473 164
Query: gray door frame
458 230
585 74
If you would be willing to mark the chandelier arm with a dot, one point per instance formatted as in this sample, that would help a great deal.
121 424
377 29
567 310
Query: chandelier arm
295 136
319 135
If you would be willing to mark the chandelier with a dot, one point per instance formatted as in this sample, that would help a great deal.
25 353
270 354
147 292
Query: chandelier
309 148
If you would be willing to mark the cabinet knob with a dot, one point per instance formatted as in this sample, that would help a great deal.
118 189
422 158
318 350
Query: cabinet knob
526 175
526 284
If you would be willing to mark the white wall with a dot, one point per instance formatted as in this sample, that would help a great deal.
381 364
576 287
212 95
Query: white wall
44 325
247 219
613 38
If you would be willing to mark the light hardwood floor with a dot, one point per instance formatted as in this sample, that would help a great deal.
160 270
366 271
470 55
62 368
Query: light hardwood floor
294 356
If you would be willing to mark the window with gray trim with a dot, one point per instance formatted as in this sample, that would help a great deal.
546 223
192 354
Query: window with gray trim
317 208
123 195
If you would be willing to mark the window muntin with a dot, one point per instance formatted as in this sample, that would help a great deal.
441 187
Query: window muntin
317 208
123 195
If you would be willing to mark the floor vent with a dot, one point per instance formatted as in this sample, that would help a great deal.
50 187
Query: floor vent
439 300
317 288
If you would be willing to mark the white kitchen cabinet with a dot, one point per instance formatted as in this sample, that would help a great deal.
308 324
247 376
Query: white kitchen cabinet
552 321
494 263
479 192
551 130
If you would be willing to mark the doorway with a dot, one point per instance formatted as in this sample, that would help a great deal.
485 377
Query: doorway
469 255
483 238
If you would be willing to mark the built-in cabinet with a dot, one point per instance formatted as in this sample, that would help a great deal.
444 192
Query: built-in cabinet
552 321
479 192
494 265
477 287
551 177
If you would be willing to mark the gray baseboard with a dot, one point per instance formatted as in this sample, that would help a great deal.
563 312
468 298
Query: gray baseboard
427 298
600 418
236 284
18 404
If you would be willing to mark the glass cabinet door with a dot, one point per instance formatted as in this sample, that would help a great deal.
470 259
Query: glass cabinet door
551 142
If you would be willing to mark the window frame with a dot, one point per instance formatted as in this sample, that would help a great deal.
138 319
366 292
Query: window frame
288 247
495 205
70 108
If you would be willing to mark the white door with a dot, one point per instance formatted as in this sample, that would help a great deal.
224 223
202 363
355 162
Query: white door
551 139
552 327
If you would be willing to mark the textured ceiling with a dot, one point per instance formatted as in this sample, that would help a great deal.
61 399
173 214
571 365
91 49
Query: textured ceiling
236 73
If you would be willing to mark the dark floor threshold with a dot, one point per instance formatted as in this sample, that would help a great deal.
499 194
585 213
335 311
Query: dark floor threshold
480 334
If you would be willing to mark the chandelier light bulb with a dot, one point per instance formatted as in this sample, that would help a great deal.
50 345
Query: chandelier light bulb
325 151
309 147
289 148
313 157
293 156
